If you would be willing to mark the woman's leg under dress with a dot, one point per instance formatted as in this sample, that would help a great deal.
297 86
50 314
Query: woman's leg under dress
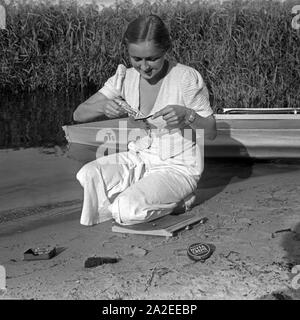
156 194
103 179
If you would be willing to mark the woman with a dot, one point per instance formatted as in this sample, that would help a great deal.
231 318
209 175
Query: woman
161 169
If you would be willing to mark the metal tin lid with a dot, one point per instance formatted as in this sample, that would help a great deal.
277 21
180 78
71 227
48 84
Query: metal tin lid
200 251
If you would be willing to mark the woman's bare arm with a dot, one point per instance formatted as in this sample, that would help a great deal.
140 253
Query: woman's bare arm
208 124
176 116
96 106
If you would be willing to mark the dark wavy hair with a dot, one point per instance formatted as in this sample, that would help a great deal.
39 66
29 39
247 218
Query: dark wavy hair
148 28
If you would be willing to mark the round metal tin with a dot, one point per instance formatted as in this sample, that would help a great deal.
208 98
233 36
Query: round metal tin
200 251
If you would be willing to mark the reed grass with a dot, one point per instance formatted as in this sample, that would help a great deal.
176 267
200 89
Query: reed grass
247 51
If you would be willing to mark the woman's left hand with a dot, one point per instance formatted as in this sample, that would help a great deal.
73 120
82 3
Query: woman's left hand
174 115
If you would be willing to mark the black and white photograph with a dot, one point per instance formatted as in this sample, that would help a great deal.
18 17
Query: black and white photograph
150 151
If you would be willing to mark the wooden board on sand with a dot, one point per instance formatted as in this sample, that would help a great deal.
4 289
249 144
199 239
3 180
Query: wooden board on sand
165 226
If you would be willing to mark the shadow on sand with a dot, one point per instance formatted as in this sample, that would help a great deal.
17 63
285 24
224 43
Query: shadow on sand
218 173
222 164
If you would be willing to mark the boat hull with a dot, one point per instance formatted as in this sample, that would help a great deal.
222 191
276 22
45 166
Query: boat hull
262 136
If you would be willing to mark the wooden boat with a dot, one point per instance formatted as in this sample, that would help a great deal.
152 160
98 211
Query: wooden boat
253 133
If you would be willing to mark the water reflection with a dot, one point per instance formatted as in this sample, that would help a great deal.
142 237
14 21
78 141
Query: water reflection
32 120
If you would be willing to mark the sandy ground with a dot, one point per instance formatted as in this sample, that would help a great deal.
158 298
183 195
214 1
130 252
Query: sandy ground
245 204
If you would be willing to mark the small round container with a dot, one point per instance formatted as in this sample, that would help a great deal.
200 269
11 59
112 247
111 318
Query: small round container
200 251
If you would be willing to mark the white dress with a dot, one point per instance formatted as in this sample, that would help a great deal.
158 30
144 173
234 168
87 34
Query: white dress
159 171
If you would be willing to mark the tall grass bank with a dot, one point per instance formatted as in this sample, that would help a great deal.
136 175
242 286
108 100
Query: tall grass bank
247 51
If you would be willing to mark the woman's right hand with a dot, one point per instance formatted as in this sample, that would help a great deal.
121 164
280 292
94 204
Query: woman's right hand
112 110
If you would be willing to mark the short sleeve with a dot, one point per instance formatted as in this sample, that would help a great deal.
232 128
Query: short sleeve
195 93
113 86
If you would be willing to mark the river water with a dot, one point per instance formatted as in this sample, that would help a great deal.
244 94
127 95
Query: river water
35 120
